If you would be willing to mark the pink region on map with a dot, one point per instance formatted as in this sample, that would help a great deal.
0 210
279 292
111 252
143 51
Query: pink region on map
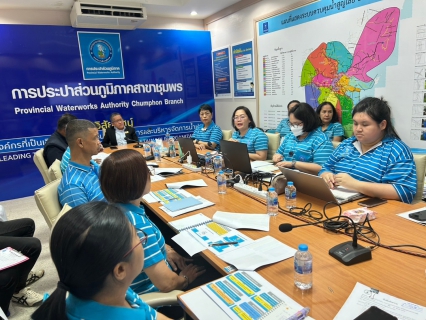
321 81
376 43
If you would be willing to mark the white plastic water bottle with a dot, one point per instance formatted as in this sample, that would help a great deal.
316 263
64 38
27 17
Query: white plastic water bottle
290 195
172 148
166 139
157 155
221 182
272 202
217 163
147 149
303 268
208 160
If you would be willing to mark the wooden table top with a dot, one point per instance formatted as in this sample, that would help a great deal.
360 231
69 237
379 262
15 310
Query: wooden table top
399 274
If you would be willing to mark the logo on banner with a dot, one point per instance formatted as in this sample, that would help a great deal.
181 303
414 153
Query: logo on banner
101 51
265 27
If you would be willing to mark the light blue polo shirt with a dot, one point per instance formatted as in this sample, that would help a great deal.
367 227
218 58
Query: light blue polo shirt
80 184
213 134
390 162
65 159
333 130
316 148
78 309
283 128
154 249
255 139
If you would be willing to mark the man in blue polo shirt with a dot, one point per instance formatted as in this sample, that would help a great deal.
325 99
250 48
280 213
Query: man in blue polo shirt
80 182
208 134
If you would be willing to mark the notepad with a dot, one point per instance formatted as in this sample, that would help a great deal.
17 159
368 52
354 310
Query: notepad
190 222
204 203
165 172
9 257
182 204
189 183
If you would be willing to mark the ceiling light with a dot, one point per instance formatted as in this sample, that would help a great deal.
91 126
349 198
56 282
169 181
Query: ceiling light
194 13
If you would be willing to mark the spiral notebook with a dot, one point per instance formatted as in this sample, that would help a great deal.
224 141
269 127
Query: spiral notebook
190 222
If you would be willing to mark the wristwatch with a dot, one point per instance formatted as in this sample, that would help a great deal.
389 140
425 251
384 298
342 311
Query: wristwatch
293 164
209 144
196 141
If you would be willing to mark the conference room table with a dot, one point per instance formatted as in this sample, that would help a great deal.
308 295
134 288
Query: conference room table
402 275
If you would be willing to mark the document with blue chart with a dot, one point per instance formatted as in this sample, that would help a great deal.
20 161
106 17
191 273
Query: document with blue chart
247 295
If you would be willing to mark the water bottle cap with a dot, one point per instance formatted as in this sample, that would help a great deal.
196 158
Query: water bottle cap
271 189
208 153
303 247
220 172
289 183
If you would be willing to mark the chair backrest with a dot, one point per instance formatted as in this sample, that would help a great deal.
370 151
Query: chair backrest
47 201
335 143
420 160
226 134
273 144
55 170
41 165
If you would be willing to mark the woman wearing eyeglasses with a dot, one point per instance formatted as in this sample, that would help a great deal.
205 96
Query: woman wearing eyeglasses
95 267
246 132
305 148
207 135
124 179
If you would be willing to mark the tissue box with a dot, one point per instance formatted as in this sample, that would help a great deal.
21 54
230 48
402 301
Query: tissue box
358 215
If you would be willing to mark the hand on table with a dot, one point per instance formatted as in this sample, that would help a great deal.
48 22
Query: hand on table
346 181
200 146
277 158
176 261
329 179
284 164
192 272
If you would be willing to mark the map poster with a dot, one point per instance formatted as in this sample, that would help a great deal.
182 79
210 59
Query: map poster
243 72
100 55
222 73
342 52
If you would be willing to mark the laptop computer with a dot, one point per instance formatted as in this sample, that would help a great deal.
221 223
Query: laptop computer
187 145
315 186
235 156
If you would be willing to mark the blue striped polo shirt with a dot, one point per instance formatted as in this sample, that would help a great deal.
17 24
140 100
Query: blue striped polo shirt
333 130
316 148
213 134
65 159
391 162
255 139
80 184
154 249
283 128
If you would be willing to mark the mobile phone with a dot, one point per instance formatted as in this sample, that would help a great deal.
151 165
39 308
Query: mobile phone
420 216
372 202
112 147
374 313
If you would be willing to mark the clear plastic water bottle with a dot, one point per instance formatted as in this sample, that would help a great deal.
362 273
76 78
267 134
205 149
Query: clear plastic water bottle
221 182
303 268
166 139
172 147
272 202
157 154
147 150
290 195
208 160
217 163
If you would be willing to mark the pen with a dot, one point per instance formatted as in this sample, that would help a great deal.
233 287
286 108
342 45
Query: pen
299 315
222 244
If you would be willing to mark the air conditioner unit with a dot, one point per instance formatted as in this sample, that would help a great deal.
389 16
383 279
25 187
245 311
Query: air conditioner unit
107 15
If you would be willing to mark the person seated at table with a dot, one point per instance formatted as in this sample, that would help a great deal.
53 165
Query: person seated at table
207 135
161 261
305 148
374 161
97 254
246 132
119 134
330 121
283 127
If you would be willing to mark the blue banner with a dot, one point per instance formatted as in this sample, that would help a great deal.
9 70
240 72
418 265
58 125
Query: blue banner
166 76
222 73
243 71
314 11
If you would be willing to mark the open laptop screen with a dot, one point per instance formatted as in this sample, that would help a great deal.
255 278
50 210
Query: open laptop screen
187 145
235 155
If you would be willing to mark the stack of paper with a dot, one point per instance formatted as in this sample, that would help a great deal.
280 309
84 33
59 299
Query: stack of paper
189 183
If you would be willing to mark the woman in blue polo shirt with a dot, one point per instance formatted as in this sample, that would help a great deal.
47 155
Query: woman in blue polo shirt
161 262
305 148
374 161
283 127
208 134
95 267
246 132
330 121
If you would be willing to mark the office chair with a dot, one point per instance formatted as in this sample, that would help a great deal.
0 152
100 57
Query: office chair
273 144
420 160
55 171
41 165
226 134
47 202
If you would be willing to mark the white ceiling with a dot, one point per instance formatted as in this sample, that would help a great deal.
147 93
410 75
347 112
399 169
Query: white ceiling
162 8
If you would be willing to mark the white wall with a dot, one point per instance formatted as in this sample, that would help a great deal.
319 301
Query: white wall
62 18
235 28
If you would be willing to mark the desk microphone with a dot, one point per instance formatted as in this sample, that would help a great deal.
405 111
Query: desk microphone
136 145
348 253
